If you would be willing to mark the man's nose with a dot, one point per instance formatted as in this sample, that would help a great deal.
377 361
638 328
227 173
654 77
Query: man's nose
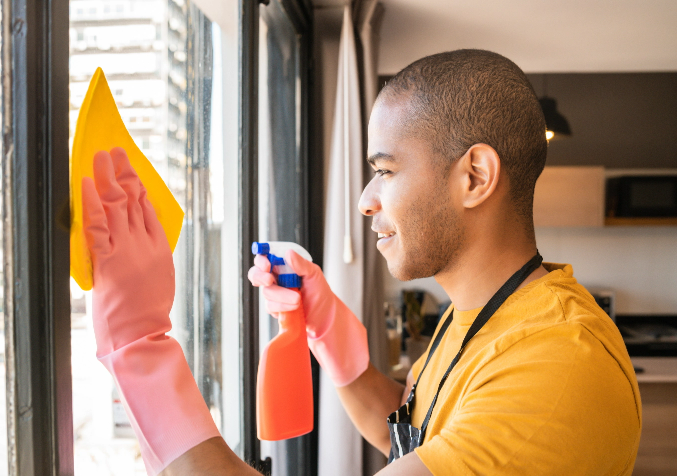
370 202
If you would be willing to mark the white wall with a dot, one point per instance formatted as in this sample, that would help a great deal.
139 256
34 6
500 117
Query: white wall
571 36
638 263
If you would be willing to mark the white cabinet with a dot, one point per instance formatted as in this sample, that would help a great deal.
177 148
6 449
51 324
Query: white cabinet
570 197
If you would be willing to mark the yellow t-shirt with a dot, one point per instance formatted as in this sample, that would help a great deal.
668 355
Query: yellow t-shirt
545 388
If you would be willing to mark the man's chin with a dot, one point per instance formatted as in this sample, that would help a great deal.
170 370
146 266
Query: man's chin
403 273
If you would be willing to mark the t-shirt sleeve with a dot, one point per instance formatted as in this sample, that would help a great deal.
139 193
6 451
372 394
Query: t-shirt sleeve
555 402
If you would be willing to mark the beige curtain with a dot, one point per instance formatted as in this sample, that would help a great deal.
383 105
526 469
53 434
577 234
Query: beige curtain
368 15
340 445
350 254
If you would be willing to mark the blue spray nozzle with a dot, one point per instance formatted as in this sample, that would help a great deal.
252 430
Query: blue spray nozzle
264 249
275 251
260 248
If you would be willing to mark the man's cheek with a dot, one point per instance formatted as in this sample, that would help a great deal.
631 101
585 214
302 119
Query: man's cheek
397 203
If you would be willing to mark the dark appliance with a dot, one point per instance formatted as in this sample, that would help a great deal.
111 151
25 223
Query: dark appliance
606 299
649 335
637 196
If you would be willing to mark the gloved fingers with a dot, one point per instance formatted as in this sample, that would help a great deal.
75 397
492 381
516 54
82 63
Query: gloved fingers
113 197
94 219
274 308
282 296
260 278
262 263
131 184
150 219
300 265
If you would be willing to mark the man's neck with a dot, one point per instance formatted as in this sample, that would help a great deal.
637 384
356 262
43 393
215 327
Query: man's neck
482 268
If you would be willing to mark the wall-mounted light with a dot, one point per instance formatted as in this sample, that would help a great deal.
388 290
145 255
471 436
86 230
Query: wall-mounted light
556 124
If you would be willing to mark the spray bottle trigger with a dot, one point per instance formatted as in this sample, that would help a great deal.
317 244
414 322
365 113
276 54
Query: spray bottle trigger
275 260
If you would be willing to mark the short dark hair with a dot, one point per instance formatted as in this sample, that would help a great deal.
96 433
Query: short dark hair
466 97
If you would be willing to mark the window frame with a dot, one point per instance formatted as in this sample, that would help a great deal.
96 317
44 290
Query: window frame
248 198
36 237
300 14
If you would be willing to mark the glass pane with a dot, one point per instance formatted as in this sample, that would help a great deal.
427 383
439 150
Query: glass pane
280 180
206 309
173 73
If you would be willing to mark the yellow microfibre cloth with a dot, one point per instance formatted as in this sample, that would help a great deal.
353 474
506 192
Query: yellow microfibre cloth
100 127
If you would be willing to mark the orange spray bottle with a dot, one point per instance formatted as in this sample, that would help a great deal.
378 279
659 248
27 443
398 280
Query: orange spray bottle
284 386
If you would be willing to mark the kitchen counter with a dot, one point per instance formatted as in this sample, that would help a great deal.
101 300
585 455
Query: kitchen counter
656 369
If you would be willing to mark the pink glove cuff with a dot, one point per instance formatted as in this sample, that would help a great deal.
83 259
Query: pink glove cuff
165 407
342 350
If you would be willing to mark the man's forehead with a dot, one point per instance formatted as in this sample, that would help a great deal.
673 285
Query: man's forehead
388 126
392 109
393 136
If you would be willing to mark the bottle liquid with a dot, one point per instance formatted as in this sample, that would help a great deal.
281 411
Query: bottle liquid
284 386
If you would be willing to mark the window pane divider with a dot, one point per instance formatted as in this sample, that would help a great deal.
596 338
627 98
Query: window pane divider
248 197
36 227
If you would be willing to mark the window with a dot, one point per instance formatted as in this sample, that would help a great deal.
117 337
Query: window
189 102
197 146
282 199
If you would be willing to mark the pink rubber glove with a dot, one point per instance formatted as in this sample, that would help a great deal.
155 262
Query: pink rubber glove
335 335
133 294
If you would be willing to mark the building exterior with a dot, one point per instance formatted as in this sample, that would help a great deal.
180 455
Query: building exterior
141 47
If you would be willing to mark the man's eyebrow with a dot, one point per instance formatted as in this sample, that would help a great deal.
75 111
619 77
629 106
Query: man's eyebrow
380 156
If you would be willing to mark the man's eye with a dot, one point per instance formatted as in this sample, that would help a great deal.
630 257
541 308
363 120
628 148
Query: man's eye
381 172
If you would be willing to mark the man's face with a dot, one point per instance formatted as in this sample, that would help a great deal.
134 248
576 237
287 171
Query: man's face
410 198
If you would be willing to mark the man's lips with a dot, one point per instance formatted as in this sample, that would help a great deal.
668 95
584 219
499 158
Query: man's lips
383 230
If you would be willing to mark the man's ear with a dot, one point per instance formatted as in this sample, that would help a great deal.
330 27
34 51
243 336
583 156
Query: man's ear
480 167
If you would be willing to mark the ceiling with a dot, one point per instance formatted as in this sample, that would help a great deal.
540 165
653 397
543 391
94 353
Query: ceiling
539 35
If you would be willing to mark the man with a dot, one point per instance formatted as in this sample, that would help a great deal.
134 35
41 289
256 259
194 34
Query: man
526 375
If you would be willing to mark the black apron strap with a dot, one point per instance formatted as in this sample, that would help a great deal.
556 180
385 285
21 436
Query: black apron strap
482 318
433 347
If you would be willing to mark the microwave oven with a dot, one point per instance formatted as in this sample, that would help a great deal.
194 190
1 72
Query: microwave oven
635 196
